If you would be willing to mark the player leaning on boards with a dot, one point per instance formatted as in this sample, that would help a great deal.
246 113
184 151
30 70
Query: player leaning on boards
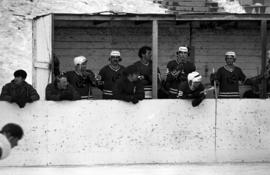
82 79
177 71
129 88
18 90
192 89
108 75
228 77
9 136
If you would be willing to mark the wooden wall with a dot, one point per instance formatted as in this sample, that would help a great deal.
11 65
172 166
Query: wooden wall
96 41
210 42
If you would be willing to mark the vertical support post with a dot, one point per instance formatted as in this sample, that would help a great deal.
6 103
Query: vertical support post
263 55
155 59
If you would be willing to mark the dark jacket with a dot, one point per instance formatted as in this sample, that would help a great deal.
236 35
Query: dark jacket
173 81
20 94
109 76
82 84
190 94
128 91
55 94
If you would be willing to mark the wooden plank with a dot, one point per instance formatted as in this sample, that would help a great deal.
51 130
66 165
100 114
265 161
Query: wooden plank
155 59
43 47
124 17
263 54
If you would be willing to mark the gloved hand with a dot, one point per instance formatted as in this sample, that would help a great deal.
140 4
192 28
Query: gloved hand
29 100
197 101
134 100
21 103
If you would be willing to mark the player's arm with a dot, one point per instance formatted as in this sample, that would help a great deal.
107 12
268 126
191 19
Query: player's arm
5 95
139 94
49 94
33 94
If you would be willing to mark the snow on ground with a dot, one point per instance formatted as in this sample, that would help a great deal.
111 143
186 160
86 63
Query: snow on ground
182 169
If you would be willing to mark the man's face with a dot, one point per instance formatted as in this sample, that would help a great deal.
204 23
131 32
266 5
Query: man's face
148 55
83 66
63 83
182 56
229 59
12 140
193 85
18 80
115 60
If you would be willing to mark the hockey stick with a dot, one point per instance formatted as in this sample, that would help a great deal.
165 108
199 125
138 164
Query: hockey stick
215 91
208 90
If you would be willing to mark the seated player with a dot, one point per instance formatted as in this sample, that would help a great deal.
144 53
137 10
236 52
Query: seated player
60 89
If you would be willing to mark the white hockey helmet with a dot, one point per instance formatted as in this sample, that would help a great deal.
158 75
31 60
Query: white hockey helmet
79 60
194 77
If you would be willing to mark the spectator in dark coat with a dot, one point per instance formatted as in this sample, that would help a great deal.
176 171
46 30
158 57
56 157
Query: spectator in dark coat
60 89
18 90
129 88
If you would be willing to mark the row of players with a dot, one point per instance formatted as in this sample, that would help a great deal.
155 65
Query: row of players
132 83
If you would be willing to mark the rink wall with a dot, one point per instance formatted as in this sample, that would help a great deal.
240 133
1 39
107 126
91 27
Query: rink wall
153 131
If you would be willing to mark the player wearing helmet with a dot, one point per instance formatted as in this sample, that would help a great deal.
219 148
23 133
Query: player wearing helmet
192 89
81 79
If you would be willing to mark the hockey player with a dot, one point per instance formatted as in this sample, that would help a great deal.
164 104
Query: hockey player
9 136
177 71
144 67
108 75
81 79
192 89
129 88
228 77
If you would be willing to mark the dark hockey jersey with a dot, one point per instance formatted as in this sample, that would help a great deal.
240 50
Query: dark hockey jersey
229 82
109 75
82 84
187 93
128 91
146 71
172 81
